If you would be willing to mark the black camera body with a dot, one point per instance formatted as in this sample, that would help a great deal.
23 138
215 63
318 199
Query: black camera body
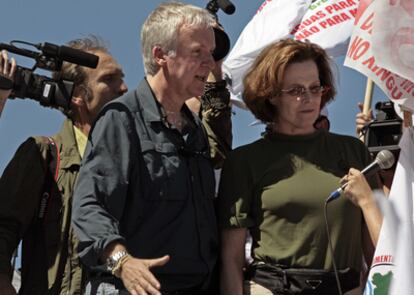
221 37
48 91
385 131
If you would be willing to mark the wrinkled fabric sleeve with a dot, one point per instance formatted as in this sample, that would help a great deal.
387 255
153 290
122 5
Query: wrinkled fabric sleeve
235 197
102 185
216 118
20 192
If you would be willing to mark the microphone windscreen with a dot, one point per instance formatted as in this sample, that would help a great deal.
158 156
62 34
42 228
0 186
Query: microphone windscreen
78 57
385 159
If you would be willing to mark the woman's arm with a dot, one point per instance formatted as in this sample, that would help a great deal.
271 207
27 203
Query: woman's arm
232 261
360 193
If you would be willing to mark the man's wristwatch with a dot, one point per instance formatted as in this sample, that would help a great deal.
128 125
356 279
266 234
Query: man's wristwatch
113 260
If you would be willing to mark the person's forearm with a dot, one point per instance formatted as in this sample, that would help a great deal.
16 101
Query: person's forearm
373 220
216 117
231 280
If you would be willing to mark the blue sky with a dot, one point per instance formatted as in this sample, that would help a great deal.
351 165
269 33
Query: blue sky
119 23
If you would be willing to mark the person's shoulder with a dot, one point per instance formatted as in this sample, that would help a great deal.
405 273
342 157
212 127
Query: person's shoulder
42 142
31 148
348 143
117 110
247 150
344 139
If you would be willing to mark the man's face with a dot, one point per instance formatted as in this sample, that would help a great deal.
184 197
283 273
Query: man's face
105 83
187 71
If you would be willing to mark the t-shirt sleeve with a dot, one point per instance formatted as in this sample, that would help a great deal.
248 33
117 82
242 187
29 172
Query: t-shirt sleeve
235 198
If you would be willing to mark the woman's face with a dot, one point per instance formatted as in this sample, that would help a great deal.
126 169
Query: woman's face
298 105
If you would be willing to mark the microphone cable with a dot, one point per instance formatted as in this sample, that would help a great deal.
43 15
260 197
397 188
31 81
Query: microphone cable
331 250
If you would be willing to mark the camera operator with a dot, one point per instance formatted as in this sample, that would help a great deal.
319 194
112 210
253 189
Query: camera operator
49 261
7 70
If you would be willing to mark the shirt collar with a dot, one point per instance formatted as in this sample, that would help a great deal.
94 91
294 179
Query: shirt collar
151 108
81 140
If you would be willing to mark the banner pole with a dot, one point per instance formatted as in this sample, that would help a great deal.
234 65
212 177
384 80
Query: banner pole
408 119
369 89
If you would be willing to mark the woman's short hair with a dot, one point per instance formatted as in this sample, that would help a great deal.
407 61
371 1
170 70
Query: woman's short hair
162 26
264 79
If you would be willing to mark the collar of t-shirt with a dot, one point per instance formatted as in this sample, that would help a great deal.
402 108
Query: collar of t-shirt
81 140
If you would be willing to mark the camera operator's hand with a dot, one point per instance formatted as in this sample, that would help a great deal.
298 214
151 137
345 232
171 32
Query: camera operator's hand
7 70
6 287
362 119
216 73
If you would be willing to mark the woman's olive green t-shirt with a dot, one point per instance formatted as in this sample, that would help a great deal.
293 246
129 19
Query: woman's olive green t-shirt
277 187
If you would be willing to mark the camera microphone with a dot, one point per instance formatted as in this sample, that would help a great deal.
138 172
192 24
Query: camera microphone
384 160
226 6
69 54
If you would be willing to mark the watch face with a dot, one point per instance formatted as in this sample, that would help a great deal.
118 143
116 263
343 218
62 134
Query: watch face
112 260
110 263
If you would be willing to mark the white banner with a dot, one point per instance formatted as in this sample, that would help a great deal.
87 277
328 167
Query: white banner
361 57
274 20
328 24
393 36
393 263
325 22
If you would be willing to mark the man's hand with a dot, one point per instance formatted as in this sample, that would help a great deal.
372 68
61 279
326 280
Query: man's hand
6 287
137 277
216 73
7 70
362 119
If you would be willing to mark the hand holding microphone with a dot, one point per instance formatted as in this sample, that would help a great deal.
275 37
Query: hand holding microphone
384 160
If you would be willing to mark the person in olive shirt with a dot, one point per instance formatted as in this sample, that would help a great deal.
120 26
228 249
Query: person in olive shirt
276 187
143 204
49 260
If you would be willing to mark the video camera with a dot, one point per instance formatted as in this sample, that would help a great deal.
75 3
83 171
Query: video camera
385 131
222 39
50 92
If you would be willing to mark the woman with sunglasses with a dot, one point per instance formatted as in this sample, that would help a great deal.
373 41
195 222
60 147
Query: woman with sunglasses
276 187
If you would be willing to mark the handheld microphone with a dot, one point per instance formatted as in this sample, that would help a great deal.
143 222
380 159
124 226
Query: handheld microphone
384 160
226 6
69 54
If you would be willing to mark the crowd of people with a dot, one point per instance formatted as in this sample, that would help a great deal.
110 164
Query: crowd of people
122 199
